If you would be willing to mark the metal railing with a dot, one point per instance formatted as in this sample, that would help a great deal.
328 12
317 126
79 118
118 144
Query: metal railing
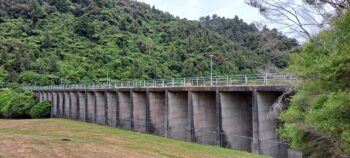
232 80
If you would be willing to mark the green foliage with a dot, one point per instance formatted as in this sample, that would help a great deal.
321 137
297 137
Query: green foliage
318 119
3 75
41 110
48 41
16 105
271 48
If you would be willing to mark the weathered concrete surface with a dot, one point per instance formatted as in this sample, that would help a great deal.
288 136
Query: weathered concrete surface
44 98
100 108
60 104
74 105
236 118
204 117
49 96
82 106
67 106
90 107
178 116
40 96
125 110
139 111
55 104
112 108
157 113
268 125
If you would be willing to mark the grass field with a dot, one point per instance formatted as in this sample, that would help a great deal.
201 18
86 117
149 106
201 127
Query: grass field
66 138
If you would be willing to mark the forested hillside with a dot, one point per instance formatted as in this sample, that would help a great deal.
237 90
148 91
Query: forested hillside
76 41
271 45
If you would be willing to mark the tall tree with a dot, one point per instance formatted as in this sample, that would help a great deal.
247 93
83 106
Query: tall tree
301 18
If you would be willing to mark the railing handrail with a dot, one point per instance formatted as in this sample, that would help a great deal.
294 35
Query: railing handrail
229 80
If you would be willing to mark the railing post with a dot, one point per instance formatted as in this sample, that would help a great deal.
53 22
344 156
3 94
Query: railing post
246 79
265 79
173 82
184 82
163 84
197 81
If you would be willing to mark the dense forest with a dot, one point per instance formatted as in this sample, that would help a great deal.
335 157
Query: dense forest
77 41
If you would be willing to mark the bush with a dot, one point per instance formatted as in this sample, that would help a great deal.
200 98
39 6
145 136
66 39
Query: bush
41 110
16 105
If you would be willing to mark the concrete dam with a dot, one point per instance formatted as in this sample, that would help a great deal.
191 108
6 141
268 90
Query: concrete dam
235 116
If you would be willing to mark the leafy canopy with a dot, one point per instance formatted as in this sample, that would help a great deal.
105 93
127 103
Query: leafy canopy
318 119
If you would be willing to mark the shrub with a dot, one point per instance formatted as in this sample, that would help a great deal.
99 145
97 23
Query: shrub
41 110
16 105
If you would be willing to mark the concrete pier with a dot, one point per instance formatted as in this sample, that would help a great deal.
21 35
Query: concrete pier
231 117
100 106
90 102
204 117
112 104
74 105
125 110
157 124
82 106
178 122
139 111
268 125
55 105
236 118
66 105
60 104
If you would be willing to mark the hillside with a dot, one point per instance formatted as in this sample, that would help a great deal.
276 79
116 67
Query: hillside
70 41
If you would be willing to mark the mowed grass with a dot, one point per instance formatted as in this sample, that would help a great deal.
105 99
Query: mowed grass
67 138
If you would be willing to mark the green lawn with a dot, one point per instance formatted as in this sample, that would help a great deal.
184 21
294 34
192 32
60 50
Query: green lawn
66 138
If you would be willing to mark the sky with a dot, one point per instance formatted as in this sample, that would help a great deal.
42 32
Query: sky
193 9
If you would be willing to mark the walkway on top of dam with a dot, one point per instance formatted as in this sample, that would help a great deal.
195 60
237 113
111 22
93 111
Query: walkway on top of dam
264 81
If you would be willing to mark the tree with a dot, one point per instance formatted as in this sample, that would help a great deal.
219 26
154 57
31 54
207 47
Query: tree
301 19
318 118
